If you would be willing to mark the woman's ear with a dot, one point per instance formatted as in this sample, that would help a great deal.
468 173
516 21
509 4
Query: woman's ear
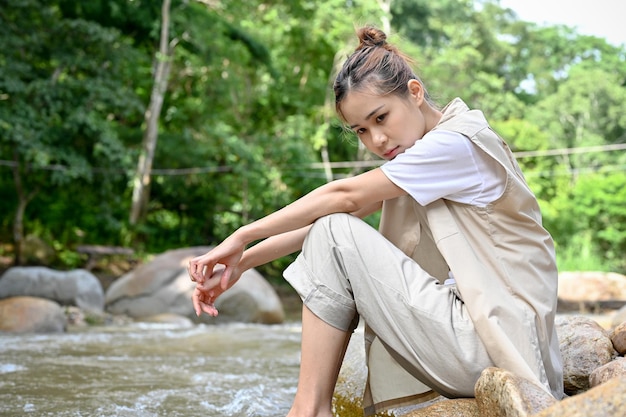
416 90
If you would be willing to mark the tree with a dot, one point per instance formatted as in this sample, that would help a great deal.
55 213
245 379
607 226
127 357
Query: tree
163 63
63 99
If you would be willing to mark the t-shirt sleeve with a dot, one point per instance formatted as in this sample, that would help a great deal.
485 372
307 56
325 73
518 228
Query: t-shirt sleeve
440 165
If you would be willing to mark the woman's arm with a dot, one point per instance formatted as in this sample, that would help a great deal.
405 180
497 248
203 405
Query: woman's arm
349 195
287 243
357 195
272 248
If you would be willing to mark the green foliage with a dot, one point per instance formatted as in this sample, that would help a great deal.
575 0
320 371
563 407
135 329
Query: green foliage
249 109
600 209
579 255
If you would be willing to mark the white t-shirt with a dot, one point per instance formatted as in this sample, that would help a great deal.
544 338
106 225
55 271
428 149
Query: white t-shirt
446 164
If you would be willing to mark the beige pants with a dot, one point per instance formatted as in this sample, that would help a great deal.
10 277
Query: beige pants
348 269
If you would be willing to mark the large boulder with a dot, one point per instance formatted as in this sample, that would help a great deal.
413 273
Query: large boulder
31 315
162 285
590 290
502 393
584 346
69 288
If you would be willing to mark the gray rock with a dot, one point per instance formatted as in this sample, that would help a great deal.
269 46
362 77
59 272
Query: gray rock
69 288
31 315
162 285
584 347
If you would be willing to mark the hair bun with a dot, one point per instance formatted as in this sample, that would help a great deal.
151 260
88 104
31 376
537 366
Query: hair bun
370 36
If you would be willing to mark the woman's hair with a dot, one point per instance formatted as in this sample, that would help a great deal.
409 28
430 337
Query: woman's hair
375 65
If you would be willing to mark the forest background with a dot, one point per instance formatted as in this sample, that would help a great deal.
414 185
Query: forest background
157 125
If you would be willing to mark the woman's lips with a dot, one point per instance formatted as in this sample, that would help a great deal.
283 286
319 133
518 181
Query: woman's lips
391 153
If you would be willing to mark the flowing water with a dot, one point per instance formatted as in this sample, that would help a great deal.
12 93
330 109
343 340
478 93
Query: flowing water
146 370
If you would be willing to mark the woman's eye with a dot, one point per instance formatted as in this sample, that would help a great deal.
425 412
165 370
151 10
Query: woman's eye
381 117
360 131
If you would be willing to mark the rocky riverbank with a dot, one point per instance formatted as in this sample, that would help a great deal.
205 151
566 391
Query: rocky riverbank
592 331
594 380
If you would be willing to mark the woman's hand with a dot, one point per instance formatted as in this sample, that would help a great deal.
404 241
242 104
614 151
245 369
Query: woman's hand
215 272
228 253
206 292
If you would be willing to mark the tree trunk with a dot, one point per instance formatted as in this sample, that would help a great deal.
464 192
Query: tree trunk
141 181
22 202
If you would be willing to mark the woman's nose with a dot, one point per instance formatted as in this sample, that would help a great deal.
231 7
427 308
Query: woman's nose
380 138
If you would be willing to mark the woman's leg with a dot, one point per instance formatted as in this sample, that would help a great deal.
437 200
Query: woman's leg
346 266
323 349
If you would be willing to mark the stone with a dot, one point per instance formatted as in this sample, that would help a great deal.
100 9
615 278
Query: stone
31 315
353 373
68 288
584 346
606 400
500 393
162 285
609 371
590 286
618 338
462 407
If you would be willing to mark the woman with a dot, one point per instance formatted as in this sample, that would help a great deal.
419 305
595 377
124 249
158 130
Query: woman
461 275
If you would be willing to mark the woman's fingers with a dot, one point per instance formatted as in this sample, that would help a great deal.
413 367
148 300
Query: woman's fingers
225 279
199 268
203 301
195 299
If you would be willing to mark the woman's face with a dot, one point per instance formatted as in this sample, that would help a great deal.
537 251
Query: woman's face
387 125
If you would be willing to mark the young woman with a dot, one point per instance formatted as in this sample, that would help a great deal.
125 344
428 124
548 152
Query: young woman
460 276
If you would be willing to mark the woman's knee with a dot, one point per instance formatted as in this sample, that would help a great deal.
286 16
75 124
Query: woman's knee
333 225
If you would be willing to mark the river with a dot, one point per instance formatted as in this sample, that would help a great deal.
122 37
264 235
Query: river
145 370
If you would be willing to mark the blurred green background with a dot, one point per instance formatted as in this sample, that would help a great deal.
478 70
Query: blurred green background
118 130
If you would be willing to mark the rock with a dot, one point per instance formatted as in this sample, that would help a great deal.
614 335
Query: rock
500 393
584 347
162 285
615 368
353 374
69 288
31 315
353 377
75 316
463 407
618 338
606 400
586 289
587 352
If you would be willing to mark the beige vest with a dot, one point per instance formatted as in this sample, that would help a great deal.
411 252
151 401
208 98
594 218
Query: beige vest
502 260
